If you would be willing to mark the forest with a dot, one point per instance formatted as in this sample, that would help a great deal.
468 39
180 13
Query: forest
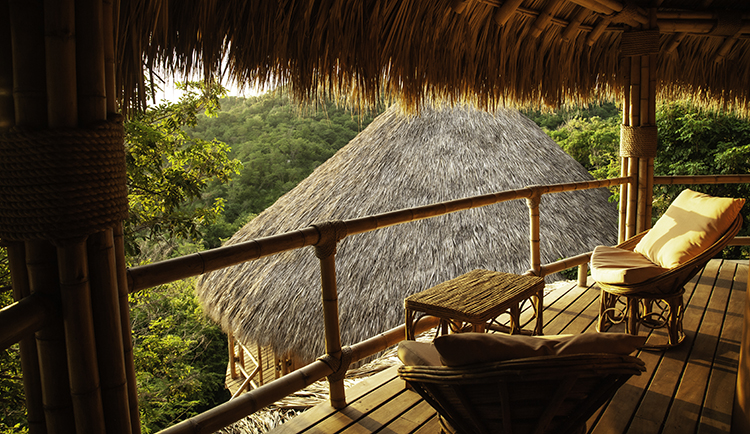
202 167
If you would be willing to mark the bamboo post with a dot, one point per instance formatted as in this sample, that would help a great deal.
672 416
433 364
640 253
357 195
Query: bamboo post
325 250
7 111
127 336
53 366
260 363
535 254
32 381
79 337
109 347
232 360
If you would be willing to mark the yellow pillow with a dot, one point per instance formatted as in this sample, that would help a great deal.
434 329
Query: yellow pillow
690 225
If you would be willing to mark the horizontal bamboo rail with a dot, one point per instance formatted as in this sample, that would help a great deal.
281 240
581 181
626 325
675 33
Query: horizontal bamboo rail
158 273
23 318
234 410
702 179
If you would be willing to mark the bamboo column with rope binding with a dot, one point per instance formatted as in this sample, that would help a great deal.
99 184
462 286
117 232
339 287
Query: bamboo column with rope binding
95 39
30 104
638 132
624 161
325 250
16 251
64 83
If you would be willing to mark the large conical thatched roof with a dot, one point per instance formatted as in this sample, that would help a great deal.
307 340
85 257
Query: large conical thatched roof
396 163
489 51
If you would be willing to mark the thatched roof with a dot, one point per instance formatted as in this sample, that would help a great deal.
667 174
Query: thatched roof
395 163
488 51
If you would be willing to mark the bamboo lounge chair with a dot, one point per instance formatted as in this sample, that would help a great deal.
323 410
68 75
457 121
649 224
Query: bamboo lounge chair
642 279
553 393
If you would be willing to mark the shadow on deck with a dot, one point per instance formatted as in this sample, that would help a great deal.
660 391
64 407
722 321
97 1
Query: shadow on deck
687 389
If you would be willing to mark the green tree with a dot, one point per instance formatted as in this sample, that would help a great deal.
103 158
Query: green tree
168 168
180 355
12 398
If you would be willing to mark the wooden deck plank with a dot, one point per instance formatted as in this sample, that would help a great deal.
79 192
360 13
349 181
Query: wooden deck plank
359 409
685 412
716 414
577 301
413 419
324 410
382 416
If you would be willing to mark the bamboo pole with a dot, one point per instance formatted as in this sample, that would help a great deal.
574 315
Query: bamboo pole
108 39
632 198
108 332
571 30
534 236
32 381
90 71
623 220
60 44
331 324
643 196
544 18
53 366
29 91
79 337
7 111
127 336
702 179
23 318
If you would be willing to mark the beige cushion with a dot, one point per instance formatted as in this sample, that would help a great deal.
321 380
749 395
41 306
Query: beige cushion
470 348
620 266
416 353
690 225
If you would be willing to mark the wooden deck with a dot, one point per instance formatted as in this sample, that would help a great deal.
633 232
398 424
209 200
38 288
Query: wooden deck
688 389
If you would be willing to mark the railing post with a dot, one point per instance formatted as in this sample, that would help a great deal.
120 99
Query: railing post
325 250
535 255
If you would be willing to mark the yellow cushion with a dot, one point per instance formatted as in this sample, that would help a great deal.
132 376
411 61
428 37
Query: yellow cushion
690 225
620 266
469 348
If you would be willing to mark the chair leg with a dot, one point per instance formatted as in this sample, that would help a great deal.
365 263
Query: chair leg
674 327
633 313
606 302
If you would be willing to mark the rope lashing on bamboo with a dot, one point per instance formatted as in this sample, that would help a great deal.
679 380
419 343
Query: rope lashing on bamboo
62 183
331 232
339 365
638 142
639 43
630 14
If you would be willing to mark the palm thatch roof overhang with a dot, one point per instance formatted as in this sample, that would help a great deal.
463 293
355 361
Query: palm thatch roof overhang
489 52
399 162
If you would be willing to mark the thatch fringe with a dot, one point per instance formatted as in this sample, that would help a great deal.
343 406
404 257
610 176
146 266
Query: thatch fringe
418 51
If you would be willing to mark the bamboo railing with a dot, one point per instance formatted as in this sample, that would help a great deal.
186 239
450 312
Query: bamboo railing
33 314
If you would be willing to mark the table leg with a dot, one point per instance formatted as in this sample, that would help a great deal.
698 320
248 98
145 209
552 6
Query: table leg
538 301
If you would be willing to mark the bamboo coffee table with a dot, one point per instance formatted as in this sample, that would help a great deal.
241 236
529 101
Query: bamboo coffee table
475 298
